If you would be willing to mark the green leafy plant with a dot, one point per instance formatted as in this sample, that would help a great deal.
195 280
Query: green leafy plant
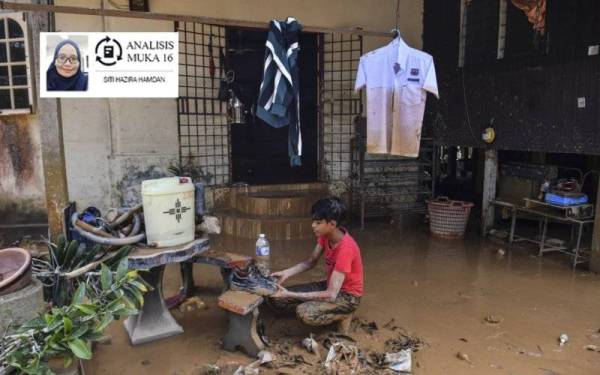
67 256
188 169
68 331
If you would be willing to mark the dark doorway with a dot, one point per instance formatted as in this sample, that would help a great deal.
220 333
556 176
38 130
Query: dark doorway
260 152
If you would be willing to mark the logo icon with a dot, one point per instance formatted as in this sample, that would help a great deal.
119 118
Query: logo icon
111 53
177 211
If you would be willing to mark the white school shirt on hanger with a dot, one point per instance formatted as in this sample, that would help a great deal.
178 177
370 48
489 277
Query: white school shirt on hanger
396 77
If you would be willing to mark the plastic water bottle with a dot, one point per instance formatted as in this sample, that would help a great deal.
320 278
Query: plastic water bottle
263 254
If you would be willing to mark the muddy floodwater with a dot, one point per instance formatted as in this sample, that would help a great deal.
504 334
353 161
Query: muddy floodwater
439 290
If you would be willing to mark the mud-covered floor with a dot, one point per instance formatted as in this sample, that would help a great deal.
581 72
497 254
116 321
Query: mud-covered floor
438 290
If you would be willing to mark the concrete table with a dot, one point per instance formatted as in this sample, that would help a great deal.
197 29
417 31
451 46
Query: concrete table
155 321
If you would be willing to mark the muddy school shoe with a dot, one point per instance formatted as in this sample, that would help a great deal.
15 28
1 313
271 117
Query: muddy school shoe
252 281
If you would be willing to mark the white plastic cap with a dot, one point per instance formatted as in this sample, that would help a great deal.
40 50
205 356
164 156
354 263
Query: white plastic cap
262 235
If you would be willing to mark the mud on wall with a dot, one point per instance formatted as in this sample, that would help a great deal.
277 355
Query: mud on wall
22 196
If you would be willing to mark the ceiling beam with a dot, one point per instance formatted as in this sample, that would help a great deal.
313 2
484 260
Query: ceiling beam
177 17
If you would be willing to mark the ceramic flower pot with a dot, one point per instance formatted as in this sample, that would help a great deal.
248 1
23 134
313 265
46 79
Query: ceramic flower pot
15 269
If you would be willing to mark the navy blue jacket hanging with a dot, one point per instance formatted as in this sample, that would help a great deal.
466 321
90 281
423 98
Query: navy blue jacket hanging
279 98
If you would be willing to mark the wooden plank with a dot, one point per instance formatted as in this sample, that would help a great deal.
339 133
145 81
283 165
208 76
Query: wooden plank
239 302
53 155
489 190
595 251
178 17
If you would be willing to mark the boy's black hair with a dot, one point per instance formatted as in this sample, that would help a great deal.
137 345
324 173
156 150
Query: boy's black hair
331 208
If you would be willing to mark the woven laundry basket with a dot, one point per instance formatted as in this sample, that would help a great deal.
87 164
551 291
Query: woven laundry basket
448 218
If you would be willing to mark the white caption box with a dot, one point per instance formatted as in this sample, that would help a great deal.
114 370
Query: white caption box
117 65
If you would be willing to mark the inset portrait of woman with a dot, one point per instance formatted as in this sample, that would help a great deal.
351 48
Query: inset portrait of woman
64 72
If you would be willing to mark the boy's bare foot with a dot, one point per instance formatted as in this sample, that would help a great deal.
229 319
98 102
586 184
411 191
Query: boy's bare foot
343 325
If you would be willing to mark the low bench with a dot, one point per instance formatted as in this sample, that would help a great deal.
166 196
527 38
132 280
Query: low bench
242 311
241 307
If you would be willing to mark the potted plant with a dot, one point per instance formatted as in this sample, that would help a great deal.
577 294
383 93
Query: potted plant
66 333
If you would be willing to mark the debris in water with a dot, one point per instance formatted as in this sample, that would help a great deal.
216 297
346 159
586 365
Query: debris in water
562 339
400 361
376 359
500 254
286 356
210 370
531 354
592 348
341 355
247 370
253 368
464 357
493 319
463 339
311 345
548 372
415 283
333 337
191 304
264 356
495 336
500 234
391 325
403 342
145 362
368 327
464 295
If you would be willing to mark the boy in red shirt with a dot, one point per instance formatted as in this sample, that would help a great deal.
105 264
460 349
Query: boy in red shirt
334 299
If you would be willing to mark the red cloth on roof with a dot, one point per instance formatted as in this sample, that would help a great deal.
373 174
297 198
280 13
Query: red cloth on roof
535 11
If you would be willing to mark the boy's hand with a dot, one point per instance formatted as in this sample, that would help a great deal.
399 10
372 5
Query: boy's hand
281 276
281 292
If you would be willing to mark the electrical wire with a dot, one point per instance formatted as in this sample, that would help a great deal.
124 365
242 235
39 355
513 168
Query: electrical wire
468 117
397 13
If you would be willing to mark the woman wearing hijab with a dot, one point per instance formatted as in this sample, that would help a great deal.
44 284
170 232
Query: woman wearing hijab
64 73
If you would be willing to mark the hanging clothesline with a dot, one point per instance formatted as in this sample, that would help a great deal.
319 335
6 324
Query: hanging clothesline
176 17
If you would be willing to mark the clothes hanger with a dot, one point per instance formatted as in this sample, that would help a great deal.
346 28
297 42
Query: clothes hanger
396 31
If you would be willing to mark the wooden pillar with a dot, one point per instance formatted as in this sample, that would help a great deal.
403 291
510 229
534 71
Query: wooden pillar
55 176
595 253
490 174
478 166
48 113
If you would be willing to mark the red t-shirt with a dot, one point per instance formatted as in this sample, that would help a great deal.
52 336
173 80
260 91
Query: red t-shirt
345 258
